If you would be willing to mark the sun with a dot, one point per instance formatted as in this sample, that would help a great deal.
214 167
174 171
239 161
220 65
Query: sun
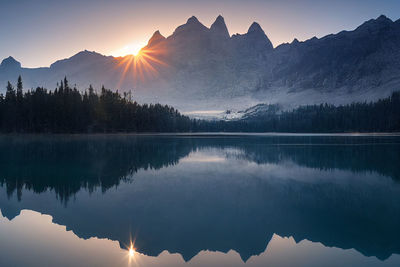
131 253
142 63
129 49
136 51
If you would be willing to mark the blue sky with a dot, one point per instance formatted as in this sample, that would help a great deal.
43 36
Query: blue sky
38 32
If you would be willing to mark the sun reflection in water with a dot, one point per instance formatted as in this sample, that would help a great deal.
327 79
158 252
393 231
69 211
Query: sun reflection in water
131 251
132 260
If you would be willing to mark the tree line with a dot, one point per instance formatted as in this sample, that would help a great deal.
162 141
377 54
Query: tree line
67 110
380 116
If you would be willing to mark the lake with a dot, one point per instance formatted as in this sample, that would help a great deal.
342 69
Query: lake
200 200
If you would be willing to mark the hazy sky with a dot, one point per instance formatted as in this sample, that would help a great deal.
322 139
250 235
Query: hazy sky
38 32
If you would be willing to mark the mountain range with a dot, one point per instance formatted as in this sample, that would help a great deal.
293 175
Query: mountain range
206 69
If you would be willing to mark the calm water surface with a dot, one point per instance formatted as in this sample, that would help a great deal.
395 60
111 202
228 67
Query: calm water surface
200 200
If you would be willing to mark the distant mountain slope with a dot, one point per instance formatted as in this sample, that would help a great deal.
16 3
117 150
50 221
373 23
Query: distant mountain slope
200 68
367 57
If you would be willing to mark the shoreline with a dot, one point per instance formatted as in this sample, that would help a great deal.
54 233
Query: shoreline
206 134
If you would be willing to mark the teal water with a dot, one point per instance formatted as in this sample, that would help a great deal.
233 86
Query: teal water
220 200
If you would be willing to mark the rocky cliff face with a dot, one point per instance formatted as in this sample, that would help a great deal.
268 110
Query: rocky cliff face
365 58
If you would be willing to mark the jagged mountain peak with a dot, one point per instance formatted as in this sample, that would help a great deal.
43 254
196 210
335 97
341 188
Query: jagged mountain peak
157 34
383 18
192 24
82 57
375 24
255 27
192 20
255 38
87 53
220 18
156 38
10 62
219 27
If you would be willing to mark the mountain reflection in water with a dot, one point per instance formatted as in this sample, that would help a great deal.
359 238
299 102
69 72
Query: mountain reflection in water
191 194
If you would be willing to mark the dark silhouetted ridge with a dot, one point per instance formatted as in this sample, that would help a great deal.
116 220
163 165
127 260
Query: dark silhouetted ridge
219 27
10 62
192 25
255 27
156 38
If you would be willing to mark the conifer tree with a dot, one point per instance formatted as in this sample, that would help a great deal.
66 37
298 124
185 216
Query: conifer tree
10 93
19 89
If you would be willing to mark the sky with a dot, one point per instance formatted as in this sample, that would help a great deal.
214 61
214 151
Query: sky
39 32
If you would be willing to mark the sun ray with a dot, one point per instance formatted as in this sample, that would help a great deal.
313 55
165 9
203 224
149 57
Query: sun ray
145 65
